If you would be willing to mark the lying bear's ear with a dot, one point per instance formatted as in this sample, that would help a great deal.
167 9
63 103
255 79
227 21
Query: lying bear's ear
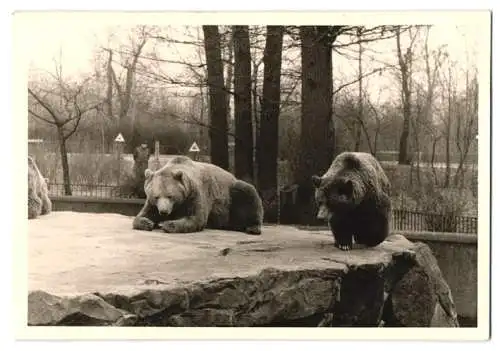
148 173
316 180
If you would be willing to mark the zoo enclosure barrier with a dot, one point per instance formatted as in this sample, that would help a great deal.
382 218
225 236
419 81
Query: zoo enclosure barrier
401 219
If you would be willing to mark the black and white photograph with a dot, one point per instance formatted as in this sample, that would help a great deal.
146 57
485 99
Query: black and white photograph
304 170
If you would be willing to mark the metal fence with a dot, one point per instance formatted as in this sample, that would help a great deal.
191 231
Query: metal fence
401 219
101 191
420 221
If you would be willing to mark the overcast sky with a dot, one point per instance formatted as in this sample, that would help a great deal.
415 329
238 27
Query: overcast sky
77 38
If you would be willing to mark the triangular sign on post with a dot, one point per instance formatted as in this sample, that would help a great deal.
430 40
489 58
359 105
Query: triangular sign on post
119 138
194 148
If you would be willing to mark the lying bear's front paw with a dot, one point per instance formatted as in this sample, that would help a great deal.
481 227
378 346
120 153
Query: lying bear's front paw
169 226
143 223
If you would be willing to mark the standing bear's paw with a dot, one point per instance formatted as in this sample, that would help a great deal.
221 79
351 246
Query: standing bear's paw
253 230
143 223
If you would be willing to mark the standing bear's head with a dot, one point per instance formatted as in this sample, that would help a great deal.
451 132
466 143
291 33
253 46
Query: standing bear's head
344 186
166 188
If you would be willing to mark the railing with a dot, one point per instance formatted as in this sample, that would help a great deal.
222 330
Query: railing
401 219
420 221
101 191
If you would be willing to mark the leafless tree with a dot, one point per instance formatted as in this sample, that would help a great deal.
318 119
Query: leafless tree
62 104
405 60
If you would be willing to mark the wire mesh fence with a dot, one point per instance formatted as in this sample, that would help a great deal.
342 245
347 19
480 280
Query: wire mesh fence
402 219
87 190
420 221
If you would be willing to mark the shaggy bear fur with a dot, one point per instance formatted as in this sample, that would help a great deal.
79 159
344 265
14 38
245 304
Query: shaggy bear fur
38 192
354 197
186 196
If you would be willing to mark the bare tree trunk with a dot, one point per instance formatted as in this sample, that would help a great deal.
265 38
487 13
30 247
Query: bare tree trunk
109 92
126 125
448 137
203 99
359 124
406 99
201 129
243 153
416 133
375 139
465 128
229 75
64 161
219 152
267 145
255 113
317 139
255 95
433 156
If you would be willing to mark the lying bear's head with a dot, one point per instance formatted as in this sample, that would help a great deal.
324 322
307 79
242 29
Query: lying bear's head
166 188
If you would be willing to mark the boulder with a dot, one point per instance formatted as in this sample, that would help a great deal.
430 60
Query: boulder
94 269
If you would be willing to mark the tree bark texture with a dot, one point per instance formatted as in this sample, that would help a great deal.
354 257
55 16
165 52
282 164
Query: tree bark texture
267 146
219 152
64 160
404 61
243 153
317 139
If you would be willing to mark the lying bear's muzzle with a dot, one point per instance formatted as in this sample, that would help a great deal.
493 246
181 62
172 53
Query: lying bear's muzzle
164 206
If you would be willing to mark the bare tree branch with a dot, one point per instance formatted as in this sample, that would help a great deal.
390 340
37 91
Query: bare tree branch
40 117
45 106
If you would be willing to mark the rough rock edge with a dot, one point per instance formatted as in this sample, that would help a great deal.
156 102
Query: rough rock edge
267 299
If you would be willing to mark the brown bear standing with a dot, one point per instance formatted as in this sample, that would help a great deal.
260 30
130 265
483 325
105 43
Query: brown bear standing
186 196
354 197
38 193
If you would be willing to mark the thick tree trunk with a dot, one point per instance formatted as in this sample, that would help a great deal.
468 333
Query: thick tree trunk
243 153
230 72
359 124
219 152
317 139
64 161
267 145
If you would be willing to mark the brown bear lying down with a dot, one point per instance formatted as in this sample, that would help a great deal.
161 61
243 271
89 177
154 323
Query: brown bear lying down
186 196
38 193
